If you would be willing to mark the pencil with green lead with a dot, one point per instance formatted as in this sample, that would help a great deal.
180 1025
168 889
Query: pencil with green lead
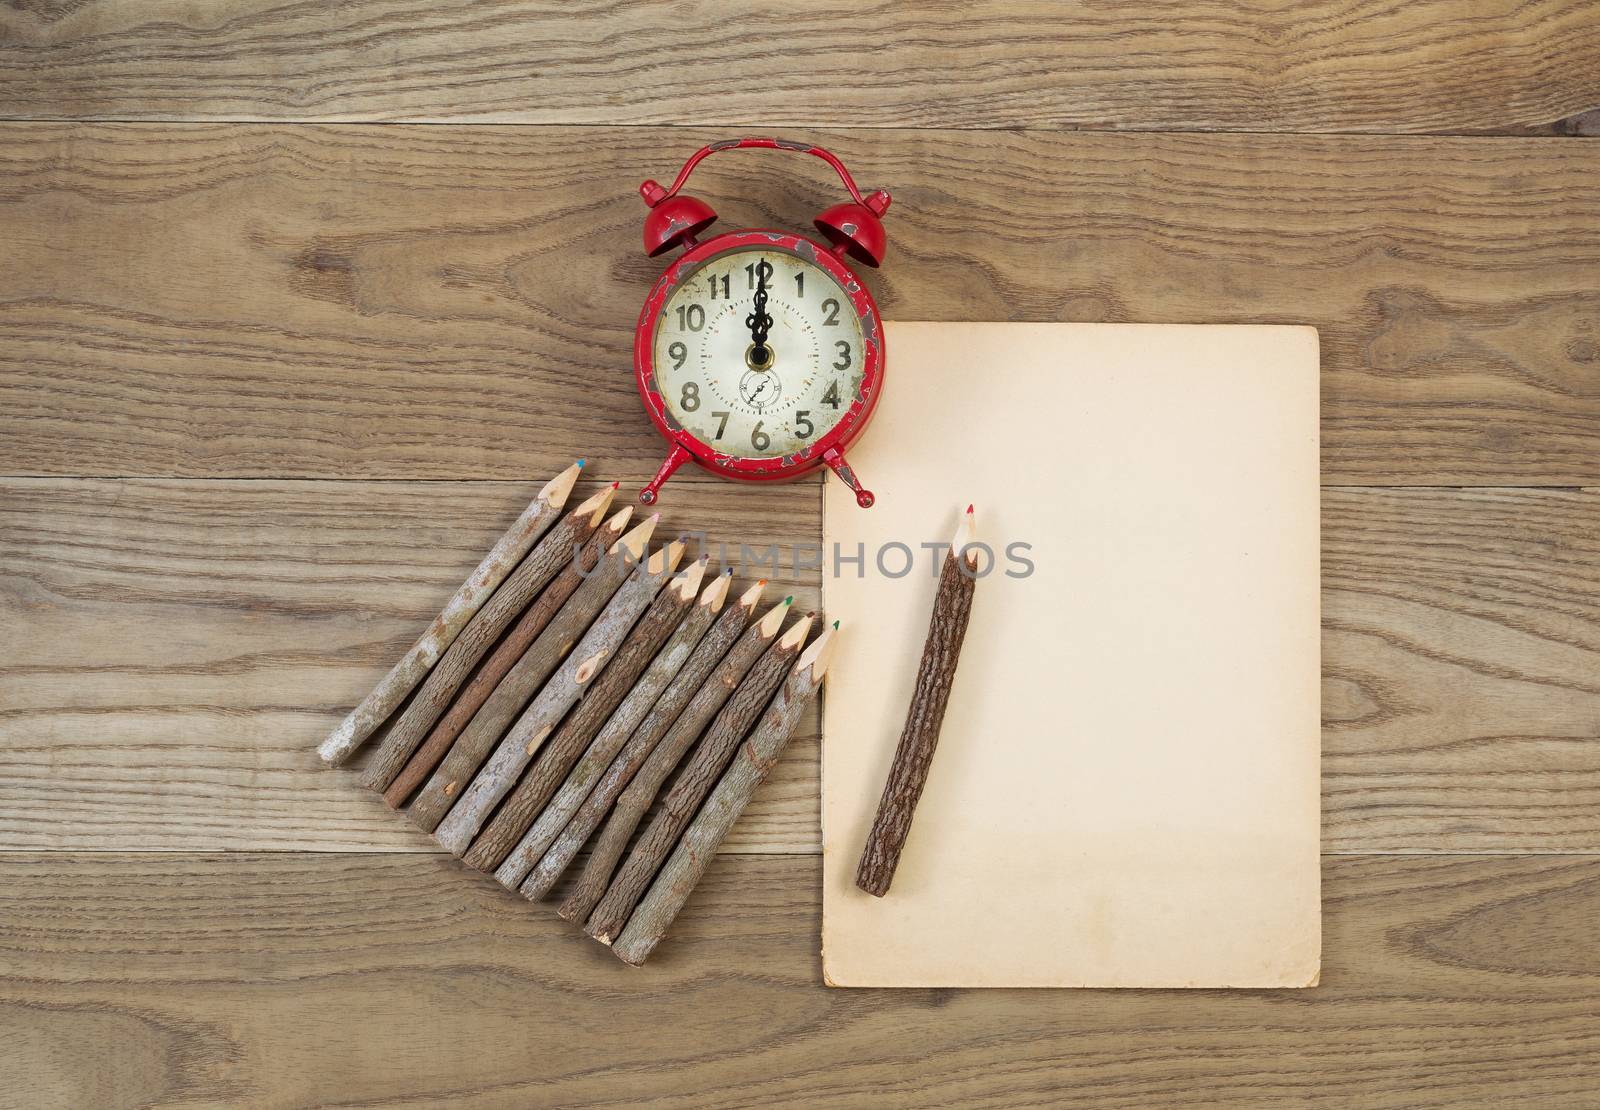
750 767
694 781
635 801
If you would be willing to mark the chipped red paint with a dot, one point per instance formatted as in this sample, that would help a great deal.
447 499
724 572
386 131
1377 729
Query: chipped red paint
783 468
847 475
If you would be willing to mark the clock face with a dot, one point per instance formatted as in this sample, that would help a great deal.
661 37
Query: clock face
743 393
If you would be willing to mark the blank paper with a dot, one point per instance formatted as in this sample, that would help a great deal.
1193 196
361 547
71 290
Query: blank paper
1126 791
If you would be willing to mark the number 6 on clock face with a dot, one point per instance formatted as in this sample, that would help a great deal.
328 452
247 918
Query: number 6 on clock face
747 402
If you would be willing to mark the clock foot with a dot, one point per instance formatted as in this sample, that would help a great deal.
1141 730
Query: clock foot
842 471
675 458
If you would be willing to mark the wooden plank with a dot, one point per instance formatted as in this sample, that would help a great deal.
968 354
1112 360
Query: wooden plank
185 641
1323 65
287 979
182 646
1461 695
426 302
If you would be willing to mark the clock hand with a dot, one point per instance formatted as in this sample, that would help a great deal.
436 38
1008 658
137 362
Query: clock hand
759 322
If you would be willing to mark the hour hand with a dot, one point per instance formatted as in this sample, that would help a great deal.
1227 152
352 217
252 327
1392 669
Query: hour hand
759 322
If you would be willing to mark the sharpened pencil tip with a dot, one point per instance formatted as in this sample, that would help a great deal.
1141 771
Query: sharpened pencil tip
789 600
836 626
616 485
969 508
581 462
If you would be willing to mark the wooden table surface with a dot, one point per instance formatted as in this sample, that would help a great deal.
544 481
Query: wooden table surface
301 300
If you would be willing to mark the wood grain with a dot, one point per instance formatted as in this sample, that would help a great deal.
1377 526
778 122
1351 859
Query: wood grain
1460 688
1461 648
193 980
1322 65
451 308
427 302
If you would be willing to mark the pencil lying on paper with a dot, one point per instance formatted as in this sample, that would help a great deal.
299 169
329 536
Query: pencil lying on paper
750 767
414 666
952 606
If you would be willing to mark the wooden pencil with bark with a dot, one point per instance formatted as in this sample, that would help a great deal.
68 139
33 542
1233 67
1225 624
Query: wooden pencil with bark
413 667
598 783
510 598
587 662
531 672
913 757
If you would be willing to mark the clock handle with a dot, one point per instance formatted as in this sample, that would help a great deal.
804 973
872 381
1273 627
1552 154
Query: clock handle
653 194
675 458
676 219
841 469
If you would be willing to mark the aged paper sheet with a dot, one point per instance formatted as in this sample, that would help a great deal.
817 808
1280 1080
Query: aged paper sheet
1126 787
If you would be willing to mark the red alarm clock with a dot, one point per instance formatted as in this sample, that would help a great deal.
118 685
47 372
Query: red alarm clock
759 354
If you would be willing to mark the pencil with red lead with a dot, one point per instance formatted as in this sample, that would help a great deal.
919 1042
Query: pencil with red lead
952 606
